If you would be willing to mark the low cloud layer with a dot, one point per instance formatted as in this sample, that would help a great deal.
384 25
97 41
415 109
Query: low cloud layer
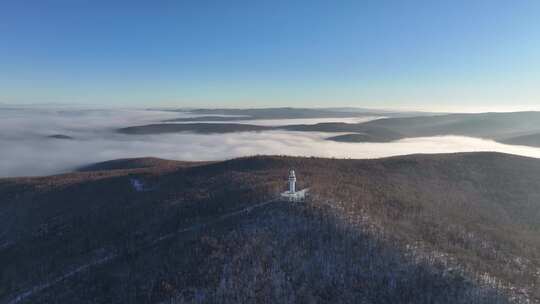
296 121
26 151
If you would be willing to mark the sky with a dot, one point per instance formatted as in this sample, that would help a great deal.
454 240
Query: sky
460 55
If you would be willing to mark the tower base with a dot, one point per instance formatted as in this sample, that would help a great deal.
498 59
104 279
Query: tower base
298 196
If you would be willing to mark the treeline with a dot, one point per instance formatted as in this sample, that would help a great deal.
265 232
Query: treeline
282 254
416 229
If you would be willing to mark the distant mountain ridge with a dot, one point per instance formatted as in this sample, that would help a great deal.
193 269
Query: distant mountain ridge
278 113
525 140
512 128
136 163
488 125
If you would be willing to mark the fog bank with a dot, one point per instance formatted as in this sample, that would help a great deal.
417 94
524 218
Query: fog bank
26 151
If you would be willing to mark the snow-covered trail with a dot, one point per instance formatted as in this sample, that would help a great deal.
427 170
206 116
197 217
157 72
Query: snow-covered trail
25 295
40 287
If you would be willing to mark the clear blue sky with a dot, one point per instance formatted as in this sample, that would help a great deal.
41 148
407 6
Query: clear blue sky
381 53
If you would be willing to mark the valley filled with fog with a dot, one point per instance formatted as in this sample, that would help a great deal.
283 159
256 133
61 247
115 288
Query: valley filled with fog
55 140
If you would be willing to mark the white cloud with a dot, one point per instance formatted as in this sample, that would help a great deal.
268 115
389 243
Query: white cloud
30 153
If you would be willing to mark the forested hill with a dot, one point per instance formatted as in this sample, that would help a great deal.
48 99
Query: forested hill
497 126
518 128
452 228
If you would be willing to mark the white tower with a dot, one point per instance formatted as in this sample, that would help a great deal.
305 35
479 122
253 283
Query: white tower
291 194
292 181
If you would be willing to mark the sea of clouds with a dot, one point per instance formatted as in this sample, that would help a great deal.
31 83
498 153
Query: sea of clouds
25 149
